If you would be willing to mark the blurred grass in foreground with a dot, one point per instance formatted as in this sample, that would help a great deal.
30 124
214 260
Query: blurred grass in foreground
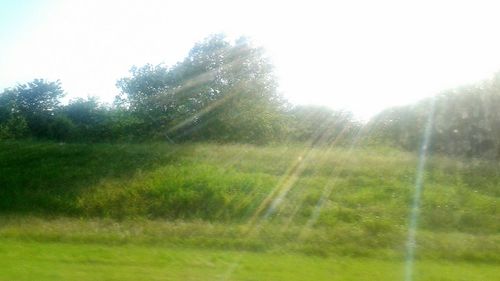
56 261
342 240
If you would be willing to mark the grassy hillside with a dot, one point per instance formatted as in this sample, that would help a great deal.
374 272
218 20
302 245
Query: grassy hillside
318 201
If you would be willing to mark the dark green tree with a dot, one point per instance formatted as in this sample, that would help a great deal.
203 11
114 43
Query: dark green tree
36 102
222 91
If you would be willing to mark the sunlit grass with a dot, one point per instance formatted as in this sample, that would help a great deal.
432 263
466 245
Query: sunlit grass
61 261
370 238
203 196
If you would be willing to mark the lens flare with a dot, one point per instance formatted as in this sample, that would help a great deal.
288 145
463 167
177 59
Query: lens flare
415 207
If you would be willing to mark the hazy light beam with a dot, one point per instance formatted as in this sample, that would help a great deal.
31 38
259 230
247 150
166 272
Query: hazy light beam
415 207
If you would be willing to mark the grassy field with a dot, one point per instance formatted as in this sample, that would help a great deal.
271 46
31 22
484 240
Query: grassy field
197 211
56 261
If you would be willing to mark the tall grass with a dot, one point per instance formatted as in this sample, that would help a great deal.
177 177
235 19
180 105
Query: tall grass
317 200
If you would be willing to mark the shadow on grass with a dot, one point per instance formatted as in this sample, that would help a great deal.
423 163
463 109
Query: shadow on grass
46 178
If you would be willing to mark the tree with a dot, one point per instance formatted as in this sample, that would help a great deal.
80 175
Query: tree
466 121
220 91
14 127
35 102
321 125
38 97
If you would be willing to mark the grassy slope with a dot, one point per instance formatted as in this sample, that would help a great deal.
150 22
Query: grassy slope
241 197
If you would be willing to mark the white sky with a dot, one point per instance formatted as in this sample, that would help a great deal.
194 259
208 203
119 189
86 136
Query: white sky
358 55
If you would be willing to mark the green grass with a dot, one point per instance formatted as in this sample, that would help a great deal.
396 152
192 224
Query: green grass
371 187
58 261
341 240
316 206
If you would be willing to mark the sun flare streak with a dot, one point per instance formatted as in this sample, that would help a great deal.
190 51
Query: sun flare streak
415 207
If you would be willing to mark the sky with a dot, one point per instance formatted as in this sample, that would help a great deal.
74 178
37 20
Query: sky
362 56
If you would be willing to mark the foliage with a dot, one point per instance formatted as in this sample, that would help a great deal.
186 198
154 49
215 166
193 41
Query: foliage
227 92
321 125
34 102
465 123
222 91
15 127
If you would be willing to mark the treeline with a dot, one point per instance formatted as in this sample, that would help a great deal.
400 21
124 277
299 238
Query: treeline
222 91
466 122
227 92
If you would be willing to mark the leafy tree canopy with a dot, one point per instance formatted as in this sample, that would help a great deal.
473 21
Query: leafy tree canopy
222 90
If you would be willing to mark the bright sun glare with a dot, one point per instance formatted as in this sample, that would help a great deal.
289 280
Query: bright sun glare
361 56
